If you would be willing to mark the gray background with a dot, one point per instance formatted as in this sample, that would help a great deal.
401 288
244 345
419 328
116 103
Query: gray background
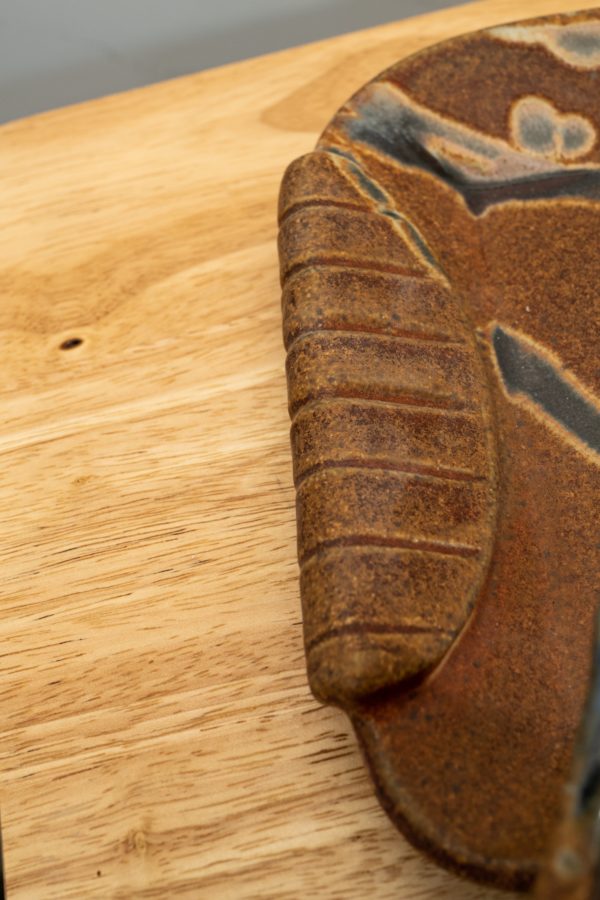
54 52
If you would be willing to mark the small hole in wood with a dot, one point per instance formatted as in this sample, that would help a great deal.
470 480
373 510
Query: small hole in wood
70 343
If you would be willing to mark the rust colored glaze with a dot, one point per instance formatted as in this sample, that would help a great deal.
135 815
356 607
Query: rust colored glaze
440 267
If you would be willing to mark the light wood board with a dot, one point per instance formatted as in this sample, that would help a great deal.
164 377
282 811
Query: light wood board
159 739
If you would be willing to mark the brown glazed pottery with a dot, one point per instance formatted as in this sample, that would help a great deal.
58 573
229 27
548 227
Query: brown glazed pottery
440 259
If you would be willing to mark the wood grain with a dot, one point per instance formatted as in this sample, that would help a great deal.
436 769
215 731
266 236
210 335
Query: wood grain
159 737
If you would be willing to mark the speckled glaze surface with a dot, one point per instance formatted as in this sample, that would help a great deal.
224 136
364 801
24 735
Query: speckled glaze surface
441 268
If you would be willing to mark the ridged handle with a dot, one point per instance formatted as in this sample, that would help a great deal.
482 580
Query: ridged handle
391 434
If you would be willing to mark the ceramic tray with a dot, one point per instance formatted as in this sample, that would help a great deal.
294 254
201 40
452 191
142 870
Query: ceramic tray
441 268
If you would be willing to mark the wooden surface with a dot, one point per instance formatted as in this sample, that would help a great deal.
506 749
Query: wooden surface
159 738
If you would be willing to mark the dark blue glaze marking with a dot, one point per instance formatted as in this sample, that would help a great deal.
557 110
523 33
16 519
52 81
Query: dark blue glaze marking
580 43
383 203
528 373
400 132
574 869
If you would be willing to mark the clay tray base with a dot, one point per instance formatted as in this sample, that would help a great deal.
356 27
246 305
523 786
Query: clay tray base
441 269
